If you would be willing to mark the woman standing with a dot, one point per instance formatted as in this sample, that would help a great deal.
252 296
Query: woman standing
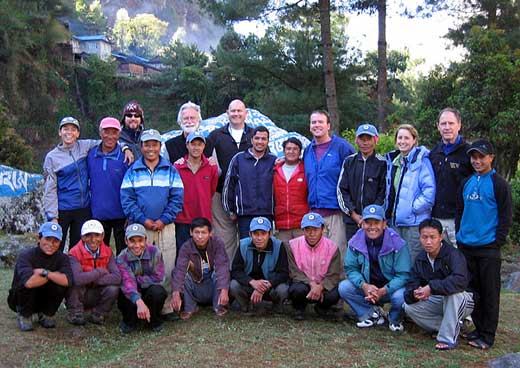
410 186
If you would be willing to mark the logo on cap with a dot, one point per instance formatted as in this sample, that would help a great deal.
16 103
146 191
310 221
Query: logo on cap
365 127
311 217
260 221
54 227
372 210
134 227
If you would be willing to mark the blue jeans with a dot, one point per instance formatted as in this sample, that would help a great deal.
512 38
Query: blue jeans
355 297
204 293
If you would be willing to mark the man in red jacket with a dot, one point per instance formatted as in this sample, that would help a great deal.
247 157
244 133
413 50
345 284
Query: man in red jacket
96 276
290 192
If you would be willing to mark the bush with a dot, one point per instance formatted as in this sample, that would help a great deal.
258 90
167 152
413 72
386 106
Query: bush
14 151
514 233
384 144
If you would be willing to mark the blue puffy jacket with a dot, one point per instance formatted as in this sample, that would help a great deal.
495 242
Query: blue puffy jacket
415 196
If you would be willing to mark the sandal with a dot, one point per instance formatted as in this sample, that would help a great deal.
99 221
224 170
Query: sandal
473 335
441 345
479 344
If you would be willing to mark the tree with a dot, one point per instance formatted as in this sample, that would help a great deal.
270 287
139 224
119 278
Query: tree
91 15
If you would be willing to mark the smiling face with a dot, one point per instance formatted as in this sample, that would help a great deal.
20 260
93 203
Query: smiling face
319 126
260 141
195 148
49 244
133 120
449 127
260 238
93 240
136 245
373 228
237 113
151 150
405 141
291 153
109 138
482 164
190 121
69 134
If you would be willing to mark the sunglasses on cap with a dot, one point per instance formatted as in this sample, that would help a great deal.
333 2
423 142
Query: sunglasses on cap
133 115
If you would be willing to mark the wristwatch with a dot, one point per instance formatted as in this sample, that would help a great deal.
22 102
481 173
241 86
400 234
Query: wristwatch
45 273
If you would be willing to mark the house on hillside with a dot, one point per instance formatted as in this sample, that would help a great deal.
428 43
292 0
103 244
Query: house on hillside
134 66
91 45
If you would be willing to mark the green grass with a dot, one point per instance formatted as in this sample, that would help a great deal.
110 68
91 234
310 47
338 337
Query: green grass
237 341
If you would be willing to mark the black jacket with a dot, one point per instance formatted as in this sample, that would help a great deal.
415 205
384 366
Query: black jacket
225 147
450 170
361 183
176 148
449 276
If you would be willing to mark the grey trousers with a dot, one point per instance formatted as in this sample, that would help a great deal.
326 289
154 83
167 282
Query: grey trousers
412 237
100 298
243 293
204 292
224 227
442 313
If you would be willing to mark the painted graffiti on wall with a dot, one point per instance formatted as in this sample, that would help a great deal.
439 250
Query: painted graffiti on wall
14 182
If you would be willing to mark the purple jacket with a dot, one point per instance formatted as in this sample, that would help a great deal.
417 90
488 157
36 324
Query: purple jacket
140 272
189 260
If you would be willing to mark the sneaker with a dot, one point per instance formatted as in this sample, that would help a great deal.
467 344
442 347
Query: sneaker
396 327
96 318
46 321
158 327
24 323
76 318
124 328
375 320
299 315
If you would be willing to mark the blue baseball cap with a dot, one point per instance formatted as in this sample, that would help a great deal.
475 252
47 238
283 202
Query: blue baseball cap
368 129
51 229
151 135
312 219
195 135
260 223
374 211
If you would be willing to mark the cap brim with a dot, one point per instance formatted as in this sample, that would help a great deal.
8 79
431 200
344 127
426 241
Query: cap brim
484 152
374 217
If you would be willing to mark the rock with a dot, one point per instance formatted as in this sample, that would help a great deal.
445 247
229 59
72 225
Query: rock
12 245
22 214
507 361
513 283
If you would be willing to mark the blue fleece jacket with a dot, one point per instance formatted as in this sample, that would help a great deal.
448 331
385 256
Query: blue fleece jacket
394 260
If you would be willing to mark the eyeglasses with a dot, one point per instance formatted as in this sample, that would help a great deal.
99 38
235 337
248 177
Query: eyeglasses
132 115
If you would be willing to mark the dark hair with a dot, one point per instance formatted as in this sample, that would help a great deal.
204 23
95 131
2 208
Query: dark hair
292 140
260 128
200 222
433 223
453 111
322 112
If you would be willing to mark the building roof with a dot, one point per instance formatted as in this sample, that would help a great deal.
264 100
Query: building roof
100 37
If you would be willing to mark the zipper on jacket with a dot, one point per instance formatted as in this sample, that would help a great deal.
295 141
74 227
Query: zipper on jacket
79 179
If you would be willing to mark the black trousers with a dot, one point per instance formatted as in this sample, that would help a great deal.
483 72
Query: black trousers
153 296
484 266
72 220
117 226
298 294
45 299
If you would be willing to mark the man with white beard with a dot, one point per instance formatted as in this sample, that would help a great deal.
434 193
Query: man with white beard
189 119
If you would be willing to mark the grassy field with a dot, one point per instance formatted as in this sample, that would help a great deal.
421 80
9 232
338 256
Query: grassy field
238 341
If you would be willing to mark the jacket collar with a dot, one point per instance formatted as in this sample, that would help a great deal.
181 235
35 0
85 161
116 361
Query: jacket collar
140 165
146 254
442 254
392 242
112 154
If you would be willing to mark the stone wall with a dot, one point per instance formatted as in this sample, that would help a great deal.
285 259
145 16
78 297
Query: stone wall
22 214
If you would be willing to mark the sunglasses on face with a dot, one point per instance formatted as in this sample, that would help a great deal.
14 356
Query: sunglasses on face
132 115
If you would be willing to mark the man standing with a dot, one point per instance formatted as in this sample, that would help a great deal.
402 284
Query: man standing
290 192
436 296
142 273
362 180
152 195
96 276
106 170
200 180
377 266
260 271
226 142
483 218
315 268
248 189
451 166
189 119
202 272
132 122
40 281
323 159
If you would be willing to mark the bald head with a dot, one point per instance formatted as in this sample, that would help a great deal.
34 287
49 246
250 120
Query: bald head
237 114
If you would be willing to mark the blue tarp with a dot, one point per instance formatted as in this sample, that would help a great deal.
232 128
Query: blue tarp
14 182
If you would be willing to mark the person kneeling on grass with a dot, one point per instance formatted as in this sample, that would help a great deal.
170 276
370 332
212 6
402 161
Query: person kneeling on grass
96 276
202 272
435 294
142 272
260 271
41 277
377 265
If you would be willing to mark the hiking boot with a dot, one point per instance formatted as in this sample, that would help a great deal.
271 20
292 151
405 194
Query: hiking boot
170 317
158 327
396 327
374 320
299 315
24 323
125 328
76 318
96 318
46 321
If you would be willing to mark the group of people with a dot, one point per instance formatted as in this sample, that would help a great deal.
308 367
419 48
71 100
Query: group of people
219 220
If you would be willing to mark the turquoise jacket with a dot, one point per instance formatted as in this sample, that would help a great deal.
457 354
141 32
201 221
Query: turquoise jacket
271 257
394 260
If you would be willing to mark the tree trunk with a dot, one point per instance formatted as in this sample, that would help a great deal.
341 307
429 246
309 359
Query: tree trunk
382 90
328 65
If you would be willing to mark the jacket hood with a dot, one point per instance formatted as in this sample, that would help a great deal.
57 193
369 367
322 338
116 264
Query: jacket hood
392 242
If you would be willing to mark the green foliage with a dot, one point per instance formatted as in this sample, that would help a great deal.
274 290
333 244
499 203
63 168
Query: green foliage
514 233
385 143
91 15
14 151
141 35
